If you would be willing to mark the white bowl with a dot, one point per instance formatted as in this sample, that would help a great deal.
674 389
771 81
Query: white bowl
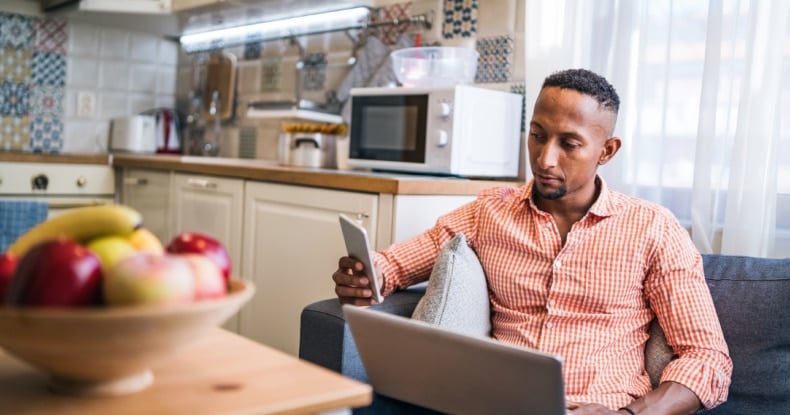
110 351
434 66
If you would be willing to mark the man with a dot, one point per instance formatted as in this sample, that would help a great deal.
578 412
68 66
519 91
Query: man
579 270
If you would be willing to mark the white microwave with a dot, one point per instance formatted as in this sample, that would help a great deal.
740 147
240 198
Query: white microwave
462 131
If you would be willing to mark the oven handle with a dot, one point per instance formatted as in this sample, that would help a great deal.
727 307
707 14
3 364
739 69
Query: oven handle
73 205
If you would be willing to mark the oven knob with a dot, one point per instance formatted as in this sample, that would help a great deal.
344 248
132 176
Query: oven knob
441 138
82 181
40 182
445 109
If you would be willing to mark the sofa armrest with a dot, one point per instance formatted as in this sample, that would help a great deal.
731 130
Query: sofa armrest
325 339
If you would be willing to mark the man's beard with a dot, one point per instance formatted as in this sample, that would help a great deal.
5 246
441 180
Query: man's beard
553 195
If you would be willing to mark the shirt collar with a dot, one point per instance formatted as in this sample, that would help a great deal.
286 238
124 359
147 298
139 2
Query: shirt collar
603 207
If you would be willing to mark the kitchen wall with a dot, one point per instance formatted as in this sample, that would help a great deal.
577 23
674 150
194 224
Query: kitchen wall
61 81
267 71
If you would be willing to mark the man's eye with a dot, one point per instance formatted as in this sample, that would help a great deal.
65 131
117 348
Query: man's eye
537 136
570 144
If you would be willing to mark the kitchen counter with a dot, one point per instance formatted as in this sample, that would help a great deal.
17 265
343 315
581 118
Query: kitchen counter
19 157
353 180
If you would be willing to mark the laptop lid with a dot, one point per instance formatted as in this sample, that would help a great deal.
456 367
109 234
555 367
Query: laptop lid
418 363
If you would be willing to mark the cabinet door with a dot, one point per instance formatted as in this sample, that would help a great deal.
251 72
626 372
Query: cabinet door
148 191
292 242
213 206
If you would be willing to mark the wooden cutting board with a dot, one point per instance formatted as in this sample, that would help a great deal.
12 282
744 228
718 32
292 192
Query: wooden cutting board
220 77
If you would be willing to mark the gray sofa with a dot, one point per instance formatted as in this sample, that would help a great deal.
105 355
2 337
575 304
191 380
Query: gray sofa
751 295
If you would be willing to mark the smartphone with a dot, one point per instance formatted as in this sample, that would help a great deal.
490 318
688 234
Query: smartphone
358 246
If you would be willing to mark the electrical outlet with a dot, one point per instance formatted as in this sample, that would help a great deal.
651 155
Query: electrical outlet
86 103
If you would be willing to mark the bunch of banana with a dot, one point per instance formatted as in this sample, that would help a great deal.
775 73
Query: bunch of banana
81 225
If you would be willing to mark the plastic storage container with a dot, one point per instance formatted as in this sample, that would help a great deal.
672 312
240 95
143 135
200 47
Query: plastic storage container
434 66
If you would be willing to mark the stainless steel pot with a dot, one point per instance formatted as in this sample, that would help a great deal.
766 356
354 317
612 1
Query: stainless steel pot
308 150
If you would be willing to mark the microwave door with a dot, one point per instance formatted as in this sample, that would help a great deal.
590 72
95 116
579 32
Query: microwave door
389 128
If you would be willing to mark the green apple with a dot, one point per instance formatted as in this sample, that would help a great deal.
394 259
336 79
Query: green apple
149 278
110 249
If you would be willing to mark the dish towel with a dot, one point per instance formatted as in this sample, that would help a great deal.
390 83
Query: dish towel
17 217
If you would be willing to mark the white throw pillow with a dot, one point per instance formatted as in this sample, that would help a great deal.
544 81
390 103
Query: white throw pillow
457 295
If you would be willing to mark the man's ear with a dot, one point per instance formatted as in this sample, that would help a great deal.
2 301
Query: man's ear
610 148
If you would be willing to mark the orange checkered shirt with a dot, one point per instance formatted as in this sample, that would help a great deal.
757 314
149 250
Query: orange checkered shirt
591 300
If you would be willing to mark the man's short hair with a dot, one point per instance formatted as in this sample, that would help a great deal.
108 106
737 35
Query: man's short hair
588 83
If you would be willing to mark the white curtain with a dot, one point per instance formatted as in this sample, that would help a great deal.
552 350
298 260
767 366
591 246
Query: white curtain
704 86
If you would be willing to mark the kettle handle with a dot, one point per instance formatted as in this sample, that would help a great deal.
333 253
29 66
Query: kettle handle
299 141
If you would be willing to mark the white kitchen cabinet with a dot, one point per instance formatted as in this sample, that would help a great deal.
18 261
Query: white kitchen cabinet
292 242
148 191
213 206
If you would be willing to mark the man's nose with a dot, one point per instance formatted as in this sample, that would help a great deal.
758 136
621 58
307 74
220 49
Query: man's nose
548 156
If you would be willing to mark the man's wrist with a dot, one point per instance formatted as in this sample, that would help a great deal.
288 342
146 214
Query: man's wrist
627 410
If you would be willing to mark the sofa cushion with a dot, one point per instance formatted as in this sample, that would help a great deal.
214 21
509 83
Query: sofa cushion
751 298
457 295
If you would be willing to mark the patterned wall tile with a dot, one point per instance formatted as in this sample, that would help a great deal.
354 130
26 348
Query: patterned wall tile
46 134
271 74
14 99
391 33
252 50
314 72
14 133
49 69
15 65
47 100
460 18
496 59
521 89
16 31
51 35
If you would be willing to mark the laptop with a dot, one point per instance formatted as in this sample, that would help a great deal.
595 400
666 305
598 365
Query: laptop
416 362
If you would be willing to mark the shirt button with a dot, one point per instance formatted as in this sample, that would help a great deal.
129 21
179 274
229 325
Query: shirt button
549 325
551 303
557 263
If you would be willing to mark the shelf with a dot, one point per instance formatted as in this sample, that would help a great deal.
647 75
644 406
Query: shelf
300 114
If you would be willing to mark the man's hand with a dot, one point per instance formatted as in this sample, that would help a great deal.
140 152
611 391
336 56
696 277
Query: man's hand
352 286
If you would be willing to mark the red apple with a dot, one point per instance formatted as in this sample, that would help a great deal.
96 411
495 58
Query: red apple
198 243
149 278
56 273
8 263
209 281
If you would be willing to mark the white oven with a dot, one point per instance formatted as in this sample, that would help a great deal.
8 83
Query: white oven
62 185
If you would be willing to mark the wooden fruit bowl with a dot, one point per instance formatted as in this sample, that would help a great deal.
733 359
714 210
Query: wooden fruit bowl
110 351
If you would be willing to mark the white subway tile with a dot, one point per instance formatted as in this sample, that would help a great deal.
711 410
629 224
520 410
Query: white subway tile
168 52
114 43
143 78
83 39
85 136
113 104
114 75
141 102
166 80
82 72
70 103
165 101
144 48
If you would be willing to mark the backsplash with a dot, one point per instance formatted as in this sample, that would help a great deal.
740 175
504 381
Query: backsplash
61 82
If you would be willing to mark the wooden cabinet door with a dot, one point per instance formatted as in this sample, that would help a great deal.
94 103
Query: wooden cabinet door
292 242
213 206
148 191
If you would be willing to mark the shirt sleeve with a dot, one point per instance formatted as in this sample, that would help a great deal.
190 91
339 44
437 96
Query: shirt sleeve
680 297
410 262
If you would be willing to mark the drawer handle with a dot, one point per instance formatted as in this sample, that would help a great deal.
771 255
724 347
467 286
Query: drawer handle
202 183
135 181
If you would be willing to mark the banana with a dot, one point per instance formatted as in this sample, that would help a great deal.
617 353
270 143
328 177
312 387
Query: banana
81 225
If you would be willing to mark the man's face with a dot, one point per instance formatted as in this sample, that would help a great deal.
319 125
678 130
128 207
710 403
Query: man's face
567 140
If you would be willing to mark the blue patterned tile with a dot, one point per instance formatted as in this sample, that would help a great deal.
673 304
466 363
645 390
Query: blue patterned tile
496 59
16 65
16 31
14 99
460 18
49 69
47 100
46 135
252 50
14 133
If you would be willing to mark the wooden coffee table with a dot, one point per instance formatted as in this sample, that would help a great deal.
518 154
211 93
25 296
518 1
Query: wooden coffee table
222 373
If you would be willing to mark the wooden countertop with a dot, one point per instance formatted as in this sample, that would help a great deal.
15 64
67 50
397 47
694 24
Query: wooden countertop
7 156
222 373
352 180
360 181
